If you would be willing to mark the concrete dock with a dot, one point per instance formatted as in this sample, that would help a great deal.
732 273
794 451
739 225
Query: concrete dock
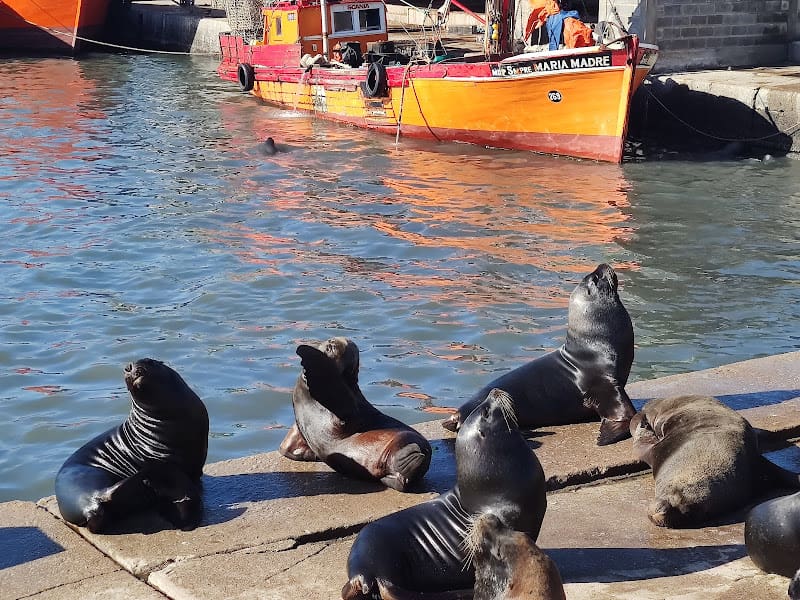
275 528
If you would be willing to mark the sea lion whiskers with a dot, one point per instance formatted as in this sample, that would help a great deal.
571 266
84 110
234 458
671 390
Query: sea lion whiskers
506 405
471 541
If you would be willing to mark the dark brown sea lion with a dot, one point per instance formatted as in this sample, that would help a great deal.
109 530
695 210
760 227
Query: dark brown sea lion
509 565
705 459
153 460
419 552
336 424
585 378
772 535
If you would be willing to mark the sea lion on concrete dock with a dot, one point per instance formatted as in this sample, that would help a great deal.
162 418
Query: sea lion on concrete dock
772 535
705 459
336 424
509 565
585 378
420 551
154 459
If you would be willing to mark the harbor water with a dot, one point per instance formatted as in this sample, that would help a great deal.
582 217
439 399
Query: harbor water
141 218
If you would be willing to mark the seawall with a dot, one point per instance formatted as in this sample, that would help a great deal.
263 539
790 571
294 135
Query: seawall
275 528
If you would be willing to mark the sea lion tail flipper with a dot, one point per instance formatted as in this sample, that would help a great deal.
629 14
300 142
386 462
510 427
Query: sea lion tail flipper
777 475
326 384
389 591
407 465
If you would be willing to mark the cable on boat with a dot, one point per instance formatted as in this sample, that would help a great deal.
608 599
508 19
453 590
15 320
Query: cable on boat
788 131
402 100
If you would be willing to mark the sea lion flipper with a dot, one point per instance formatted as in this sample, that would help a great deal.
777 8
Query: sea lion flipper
179 499
777 474
295 446
390 591
327 384
615 408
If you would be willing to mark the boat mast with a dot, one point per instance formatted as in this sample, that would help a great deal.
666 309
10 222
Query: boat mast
323 7
499 36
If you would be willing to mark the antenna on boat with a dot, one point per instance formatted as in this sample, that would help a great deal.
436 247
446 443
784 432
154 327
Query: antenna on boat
323 9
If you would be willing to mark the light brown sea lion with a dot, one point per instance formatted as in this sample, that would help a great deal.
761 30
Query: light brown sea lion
705 459
509 565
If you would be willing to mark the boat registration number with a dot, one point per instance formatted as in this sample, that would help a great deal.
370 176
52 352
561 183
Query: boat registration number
524 67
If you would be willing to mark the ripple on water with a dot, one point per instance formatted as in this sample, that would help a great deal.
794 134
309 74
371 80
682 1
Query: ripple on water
140 220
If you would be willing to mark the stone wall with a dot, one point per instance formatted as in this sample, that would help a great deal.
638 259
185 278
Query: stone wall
700 34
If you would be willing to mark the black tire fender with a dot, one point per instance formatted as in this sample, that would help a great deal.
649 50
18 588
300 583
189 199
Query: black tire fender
377 81
246 76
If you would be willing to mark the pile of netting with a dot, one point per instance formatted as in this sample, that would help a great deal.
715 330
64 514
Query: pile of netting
245 18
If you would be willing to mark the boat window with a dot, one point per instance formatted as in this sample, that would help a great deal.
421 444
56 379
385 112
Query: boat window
278 26
343 20
369 19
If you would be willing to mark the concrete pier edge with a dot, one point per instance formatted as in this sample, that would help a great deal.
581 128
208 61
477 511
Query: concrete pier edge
275 528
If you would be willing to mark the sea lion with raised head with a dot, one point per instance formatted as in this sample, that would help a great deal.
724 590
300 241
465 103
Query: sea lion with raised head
509 565
335 423
704 456
419 552
584 379
154 459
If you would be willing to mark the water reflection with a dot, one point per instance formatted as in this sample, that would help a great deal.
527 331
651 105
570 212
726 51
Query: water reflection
141 221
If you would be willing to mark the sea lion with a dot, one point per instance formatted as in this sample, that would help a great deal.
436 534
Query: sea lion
585 378
705 459
509 565
268 147
772 535
154 459
419 552
336 424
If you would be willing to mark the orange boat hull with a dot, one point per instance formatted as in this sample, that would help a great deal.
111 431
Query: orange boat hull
573 103
50 25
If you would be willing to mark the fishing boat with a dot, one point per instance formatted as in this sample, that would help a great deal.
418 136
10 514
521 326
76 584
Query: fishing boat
50 25
333 58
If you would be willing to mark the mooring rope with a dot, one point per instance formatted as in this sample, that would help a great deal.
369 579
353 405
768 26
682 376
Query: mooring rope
788 131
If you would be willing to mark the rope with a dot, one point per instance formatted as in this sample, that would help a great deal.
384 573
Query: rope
402 100
789 131
98 42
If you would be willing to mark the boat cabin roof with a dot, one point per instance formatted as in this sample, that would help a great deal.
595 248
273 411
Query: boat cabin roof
299 4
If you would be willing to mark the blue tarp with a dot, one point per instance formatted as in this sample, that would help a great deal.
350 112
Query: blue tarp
555 26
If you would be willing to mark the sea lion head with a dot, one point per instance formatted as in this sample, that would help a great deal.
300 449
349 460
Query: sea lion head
483 538
345 354
158 388
496 470
594 300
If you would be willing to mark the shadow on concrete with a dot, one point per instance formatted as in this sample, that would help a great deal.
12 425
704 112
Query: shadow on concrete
743 401
609 565
669 121
19 545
